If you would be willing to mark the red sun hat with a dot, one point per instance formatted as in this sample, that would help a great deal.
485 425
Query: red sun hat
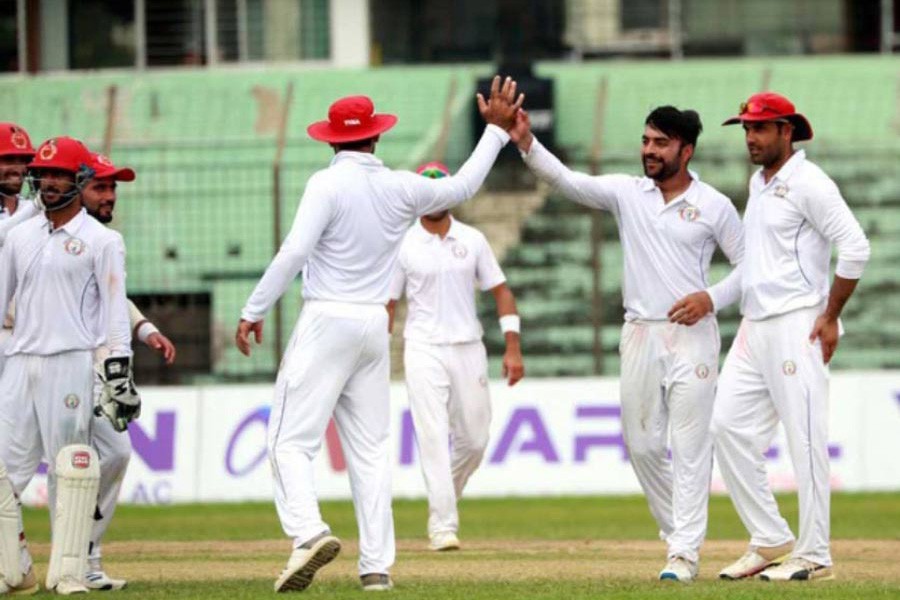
14 141
351 119
64 153
434 170
769 106
105 169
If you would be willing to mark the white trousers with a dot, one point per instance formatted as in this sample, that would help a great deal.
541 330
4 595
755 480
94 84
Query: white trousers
114 449
5 334
449 398
774 373
668 383
336 364
46 403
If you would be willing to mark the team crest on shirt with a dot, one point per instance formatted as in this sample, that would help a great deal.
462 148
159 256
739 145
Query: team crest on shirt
702 371
458 250
74 247
781 190
789 367
71 401
689 213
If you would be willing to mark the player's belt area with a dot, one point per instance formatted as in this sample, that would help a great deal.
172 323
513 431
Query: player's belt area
356 310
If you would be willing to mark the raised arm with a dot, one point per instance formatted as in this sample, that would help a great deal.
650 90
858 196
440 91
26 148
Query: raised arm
591 191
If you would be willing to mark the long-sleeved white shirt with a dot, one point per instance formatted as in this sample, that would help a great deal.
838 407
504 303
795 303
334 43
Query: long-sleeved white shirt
69 285
667 247
440 277
790 224
351 220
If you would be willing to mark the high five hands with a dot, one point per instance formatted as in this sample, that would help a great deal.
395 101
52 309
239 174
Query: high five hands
502 105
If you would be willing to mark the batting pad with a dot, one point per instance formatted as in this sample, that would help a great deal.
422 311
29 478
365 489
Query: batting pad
10 572
77 485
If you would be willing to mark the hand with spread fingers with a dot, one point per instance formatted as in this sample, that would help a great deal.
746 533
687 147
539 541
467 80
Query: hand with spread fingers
502 105
691 308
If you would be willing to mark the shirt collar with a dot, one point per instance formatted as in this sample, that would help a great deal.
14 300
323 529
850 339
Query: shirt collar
648 184
786 170
428 236
360 158
72 226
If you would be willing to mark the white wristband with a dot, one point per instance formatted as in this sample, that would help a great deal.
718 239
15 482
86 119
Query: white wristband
510 323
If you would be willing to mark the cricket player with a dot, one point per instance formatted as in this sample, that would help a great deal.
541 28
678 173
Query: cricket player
777 368
113 447
67 266
345 239
16 152
669 223
442 263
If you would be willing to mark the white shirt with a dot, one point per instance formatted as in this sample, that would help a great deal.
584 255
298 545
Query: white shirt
666 247
24 211
790 224
350 223
440 277
69 284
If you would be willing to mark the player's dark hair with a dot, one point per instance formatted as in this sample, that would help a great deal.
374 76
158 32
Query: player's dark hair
682 124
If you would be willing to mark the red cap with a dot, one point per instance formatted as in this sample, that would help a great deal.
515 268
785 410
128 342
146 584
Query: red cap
105 169
434 170
769 106
65 153
351 119
14 141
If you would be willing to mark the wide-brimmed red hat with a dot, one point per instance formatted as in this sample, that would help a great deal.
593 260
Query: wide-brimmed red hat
769 106
105 169
351 119
14 141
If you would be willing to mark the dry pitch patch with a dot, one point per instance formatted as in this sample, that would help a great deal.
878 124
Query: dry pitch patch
863 561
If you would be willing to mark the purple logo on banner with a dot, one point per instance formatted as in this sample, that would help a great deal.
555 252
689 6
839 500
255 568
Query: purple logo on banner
159 452
259 417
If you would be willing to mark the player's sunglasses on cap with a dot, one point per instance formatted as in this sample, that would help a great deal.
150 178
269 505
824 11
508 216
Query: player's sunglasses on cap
769 106
434 170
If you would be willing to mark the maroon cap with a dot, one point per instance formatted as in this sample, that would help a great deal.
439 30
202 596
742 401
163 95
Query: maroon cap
769 106
105 169
351 119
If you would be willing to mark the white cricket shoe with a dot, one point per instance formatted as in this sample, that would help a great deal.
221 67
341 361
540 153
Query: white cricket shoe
797 569
679 569
28 586
69 585
304 562
99 580
376 582
756 560
443 541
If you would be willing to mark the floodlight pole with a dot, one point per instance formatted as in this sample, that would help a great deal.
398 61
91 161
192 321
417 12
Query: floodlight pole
888 36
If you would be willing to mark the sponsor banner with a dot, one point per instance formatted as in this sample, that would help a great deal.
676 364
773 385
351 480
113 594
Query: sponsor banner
548 436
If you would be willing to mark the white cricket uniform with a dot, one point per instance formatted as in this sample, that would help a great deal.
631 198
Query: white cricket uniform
772 372
668 371
113 447
444 358
345 238
24 210
70 289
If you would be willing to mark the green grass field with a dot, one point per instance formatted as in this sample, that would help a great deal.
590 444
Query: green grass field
554 548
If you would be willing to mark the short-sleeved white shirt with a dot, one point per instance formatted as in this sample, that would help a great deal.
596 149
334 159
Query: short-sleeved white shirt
440 277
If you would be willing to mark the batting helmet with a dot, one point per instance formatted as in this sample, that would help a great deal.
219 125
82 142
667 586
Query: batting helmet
65 154
434 170
14 141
